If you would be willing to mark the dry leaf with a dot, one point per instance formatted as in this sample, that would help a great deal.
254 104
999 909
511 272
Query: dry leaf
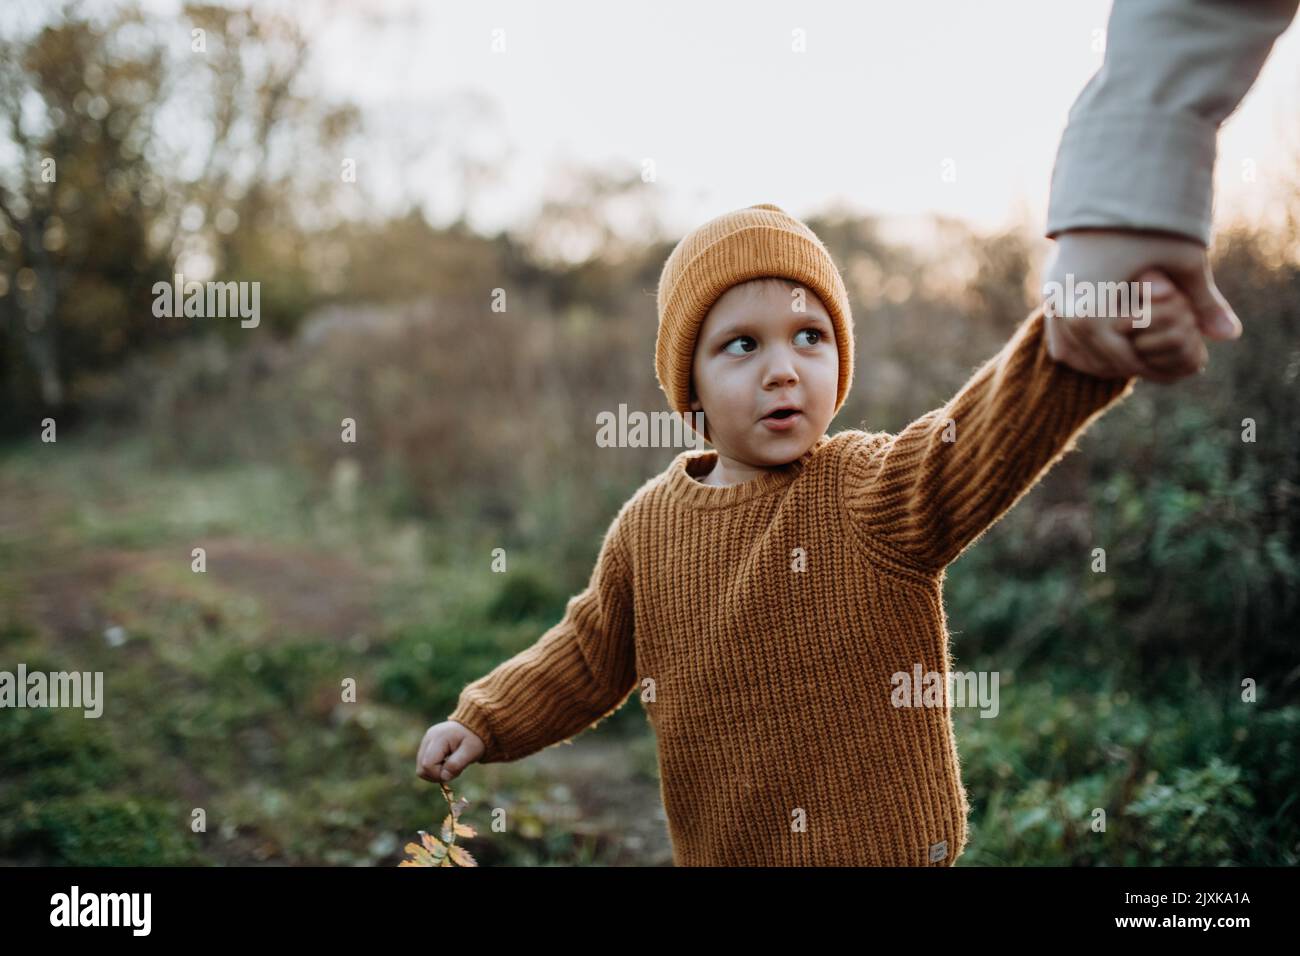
431 851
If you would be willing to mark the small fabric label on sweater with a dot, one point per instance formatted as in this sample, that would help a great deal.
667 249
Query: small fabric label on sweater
938 851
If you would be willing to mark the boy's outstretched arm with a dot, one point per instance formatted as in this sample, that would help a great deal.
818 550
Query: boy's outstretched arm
578 672
928 492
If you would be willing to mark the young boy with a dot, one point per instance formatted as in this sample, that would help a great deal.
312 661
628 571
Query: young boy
762 595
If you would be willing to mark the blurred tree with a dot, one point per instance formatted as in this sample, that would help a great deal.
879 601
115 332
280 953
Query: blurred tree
74 201
135 148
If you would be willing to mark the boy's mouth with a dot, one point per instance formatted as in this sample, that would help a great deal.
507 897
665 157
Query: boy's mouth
781 418
781 412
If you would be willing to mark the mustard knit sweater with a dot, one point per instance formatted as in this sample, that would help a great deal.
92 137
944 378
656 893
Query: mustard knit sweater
769 688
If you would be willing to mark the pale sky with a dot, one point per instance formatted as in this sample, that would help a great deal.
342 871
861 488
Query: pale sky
712 93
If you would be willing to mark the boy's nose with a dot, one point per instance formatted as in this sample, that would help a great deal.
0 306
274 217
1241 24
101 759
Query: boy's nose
780 372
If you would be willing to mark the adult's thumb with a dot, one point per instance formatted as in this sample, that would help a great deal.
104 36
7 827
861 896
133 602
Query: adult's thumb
1214 315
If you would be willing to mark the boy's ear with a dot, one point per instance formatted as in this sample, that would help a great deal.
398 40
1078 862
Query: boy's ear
698 406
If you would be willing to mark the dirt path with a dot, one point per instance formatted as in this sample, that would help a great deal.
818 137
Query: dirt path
613 797
301 591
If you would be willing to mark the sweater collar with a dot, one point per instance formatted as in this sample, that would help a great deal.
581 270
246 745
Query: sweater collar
684 485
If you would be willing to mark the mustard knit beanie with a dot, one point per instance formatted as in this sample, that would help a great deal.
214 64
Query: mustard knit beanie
750 243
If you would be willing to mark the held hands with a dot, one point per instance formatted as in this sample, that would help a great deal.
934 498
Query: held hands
1109 348
1164 348
447 749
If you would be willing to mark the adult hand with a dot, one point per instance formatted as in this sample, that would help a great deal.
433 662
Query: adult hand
1118 255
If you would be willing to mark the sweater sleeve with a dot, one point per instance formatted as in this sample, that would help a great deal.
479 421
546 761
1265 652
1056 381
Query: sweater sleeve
930 491
1139 149
577 673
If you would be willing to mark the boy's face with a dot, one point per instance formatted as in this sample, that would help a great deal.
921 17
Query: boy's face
756 353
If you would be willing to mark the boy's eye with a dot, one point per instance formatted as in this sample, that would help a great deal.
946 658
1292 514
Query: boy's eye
727 347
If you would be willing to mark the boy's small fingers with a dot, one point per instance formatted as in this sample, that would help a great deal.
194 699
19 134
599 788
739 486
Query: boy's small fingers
427 746
1155 343
422 768
1123 324
1160 315
453 765
1178 360
1141 320
1168 363
430 762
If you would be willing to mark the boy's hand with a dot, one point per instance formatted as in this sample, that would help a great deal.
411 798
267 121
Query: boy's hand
1171 344
447 749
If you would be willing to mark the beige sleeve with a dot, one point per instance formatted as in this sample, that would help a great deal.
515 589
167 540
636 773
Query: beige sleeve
1139 148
